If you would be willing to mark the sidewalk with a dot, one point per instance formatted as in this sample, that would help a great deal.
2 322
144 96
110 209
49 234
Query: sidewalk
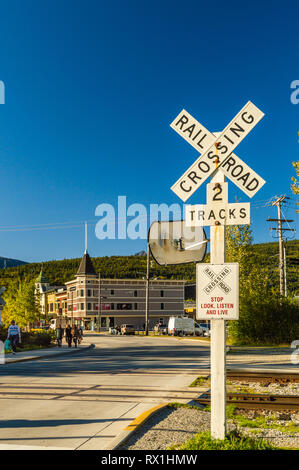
44 353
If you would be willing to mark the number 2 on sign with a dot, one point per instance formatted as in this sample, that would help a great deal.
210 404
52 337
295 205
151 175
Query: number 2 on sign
216 195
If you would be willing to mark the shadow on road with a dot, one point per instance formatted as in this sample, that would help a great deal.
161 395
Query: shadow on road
28 423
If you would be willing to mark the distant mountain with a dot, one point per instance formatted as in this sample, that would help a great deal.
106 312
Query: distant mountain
141 253
10 263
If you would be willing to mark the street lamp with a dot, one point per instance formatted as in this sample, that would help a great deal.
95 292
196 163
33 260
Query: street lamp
72 289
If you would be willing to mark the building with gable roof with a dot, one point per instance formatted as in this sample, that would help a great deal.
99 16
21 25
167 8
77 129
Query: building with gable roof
122 300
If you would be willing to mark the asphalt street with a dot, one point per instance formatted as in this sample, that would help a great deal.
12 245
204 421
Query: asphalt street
84 400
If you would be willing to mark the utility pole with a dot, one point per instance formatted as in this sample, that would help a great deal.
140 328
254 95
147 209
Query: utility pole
281 263
99 304
72 289
147 290
285 271
280 229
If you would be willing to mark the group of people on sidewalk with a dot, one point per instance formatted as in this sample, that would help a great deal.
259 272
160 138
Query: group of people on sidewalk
72 334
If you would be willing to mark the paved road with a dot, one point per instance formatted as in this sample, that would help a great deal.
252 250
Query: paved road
83 401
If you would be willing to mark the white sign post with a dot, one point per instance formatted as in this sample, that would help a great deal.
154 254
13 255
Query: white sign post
217 283
218 339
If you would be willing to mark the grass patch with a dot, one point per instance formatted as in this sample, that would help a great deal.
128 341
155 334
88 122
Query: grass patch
261 422
199 381
243 389
233 441
175 405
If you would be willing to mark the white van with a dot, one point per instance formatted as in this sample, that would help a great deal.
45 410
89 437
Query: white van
62 321
181 326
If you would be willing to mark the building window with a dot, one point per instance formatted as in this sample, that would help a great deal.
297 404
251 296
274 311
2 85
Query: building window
81 306
81 293
88 293
162 306
124 306
112 291
135 306
161 293
112 306
88 306
51 307
95 293
135 293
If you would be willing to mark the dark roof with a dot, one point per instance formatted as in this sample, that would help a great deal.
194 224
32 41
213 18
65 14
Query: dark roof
86 266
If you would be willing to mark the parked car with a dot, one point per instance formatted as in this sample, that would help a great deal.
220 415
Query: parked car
206 329
199 331
127 329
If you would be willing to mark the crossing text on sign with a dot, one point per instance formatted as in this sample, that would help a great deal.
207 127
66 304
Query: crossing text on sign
227 141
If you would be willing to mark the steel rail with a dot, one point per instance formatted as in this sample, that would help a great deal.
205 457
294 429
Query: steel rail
263 377
253 401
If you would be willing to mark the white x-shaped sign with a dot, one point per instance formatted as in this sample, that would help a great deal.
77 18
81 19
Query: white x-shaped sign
205 143
216 280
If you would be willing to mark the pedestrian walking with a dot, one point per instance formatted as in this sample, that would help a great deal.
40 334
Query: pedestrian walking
59 334
80 334
68 335
75 334
14 336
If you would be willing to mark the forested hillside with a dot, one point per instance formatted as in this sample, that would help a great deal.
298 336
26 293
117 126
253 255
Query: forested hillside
58 272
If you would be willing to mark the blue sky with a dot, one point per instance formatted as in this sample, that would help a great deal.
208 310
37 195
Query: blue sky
91 88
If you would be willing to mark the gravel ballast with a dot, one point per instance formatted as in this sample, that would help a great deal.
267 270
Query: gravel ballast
173 426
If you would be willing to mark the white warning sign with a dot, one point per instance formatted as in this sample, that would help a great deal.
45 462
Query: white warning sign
217 291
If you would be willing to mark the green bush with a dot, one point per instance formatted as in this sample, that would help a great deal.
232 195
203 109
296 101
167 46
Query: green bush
268 320
233 441
40 338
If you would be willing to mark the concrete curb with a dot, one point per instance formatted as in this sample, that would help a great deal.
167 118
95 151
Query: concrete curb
135 424
13 360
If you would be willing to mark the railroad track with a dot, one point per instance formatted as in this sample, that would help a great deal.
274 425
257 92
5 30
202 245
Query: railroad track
263 377
256 401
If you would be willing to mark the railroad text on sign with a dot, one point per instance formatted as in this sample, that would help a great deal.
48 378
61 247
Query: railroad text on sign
204 141
217 291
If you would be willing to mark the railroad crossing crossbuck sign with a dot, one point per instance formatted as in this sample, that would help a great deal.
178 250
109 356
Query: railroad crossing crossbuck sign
227 140
217 293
